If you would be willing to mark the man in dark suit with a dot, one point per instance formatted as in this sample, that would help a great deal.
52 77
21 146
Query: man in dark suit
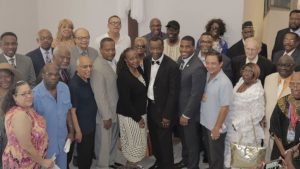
163 87
44 53
192 85
238 48
252 48
294 25
206 43
9 46
290 43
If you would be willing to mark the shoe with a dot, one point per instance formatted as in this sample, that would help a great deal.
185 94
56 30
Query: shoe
154 166
118 164
113 166
180 165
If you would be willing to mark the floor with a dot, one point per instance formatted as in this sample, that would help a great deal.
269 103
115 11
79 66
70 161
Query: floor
149 161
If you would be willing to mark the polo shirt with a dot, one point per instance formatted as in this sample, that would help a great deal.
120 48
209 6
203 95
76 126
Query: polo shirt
218 92
82 98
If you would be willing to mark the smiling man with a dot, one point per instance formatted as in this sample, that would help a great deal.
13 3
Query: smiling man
172 43
192 84
82 41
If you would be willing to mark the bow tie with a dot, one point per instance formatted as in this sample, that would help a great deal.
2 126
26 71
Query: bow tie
153 62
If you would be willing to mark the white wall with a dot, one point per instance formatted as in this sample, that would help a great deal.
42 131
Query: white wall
21 18
92 14
274 21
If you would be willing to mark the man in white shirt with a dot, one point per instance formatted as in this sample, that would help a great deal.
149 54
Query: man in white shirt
121 41
44 53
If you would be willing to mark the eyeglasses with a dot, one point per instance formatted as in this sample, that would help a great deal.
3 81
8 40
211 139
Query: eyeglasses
83 38
25 94
86 66
285 65
140 46
115 23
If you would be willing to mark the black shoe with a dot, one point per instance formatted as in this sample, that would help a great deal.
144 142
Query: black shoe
118 164
154 166
180 165
75 161
113 166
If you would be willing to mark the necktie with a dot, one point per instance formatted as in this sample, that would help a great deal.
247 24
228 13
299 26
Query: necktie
157 62
12 62
47 57
181 66
84 53
64 76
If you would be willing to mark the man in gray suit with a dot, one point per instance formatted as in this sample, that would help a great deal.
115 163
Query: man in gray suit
82 41
290 43
104 85
192 85
9 45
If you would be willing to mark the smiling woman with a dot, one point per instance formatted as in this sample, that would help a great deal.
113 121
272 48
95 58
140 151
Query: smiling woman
8 76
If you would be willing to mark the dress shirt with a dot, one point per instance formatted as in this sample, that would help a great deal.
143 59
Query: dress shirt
290 53
252 61
82 52
9 60
283 84
154 70
202 58
185 61
113 65
44 53
296 31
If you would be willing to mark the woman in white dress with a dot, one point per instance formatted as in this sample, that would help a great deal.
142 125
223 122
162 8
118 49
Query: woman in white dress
248 109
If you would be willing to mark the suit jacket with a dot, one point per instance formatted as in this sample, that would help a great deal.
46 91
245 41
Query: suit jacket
132 96
74 52
278 45
238 49
192 85
271 87
37 59
295 55
266 67
226 67
24 66
165 89
104 85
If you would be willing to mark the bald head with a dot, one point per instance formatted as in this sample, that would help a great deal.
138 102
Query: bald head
295 85
50 75
82 38
84 67
155 26
44 39
252 48
285 66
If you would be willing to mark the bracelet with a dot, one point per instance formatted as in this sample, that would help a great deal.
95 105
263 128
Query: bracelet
289 150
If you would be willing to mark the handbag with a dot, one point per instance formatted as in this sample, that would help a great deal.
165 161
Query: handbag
244 156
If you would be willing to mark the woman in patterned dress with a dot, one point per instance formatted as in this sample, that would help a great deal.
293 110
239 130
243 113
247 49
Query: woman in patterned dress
27 139
131 108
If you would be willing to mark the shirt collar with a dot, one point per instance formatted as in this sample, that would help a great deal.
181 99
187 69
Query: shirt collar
290 53
43 50
80 50
296 31
80 80
8 58
186 60
252 61
220 73
160 59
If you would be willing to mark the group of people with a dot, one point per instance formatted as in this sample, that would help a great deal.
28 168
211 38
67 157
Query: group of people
205 93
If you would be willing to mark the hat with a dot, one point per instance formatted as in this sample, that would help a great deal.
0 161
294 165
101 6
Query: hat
247 24
15 72
173 24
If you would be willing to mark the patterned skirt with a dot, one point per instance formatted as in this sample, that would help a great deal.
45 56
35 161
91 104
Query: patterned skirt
133 139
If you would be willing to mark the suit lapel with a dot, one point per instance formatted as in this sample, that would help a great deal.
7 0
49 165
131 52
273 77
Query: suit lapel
161 68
